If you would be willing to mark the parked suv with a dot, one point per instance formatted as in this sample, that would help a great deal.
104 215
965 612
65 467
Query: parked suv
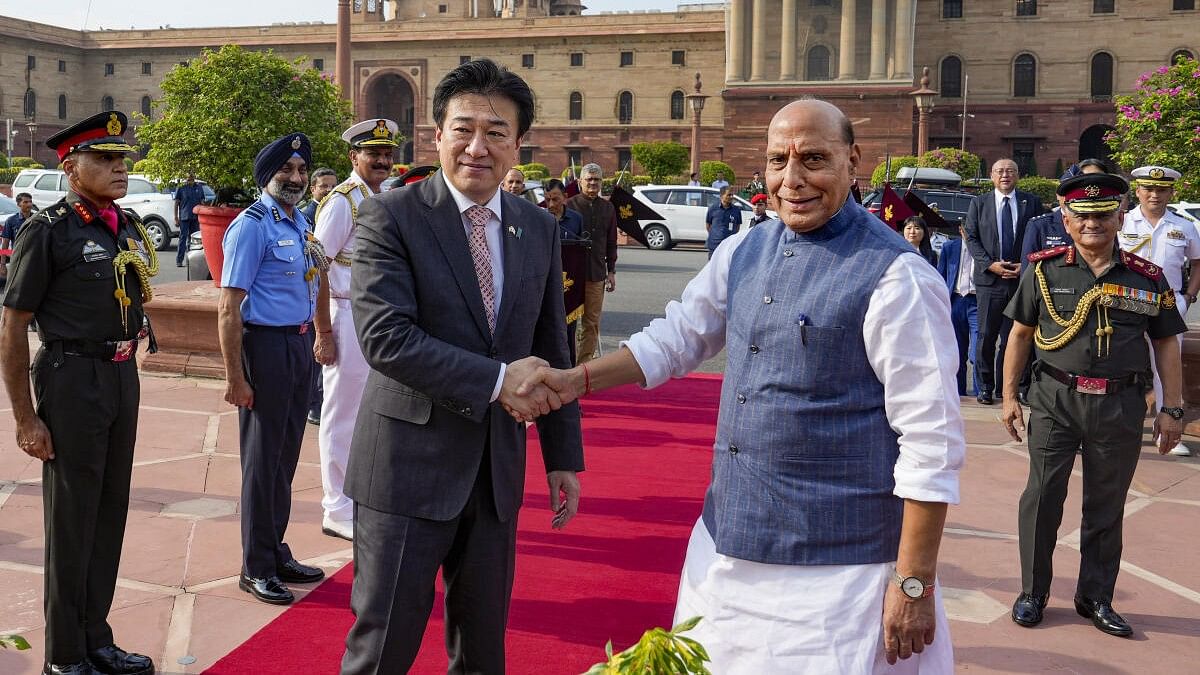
683 208
950 204
157 210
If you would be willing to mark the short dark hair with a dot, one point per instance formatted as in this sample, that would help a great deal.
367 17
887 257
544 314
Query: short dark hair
321 173
484 77
1102 164
555 184
23 195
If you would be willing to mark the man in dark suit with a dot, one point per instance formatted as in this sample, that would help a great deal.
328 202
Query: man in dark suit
995 228
958 271
456 290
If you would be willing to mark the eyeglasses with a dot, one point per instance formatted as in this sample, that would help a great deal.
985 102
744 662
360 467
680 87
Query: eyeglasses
1005 172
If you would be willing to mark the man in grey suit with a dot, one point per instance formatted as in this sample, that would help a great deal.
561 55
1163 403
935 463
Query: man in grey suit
995 228
456 289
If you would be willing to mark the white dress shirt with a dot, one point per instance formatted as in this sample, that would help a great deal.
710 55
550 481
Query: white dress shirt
334 226
965 284
495 250
1012 206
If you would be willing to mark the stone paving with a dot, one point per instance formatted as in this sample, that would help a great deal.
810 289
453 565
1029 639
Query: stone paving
178 601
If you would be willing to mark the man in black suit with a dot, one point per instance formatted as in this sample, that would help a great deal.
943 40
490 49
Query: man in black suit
456 291
995 228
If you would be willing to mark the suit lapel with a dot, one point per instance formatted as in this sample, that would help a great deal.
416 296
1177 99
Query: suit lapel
442 216
514 259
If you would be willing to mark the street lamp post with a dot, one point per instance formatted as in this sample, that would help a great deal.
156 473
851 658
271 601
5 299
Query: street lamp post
697 101
924 100
9 134
32 127
962 144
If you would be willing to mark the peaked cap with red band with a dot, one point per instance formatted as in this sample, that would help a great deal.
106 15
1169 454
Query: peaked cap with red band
102 132
1093 192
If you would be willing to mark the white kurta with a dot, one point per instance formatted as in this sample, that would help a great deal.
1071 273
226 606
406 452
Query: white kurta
345 380
821 619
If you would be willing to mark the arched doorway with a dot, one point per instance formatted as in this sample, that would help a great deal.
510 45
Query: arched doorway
391 96
1092 145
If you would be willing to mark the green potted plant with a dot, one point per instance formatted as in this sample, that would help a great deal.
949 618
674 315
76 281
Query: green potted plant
659 652
215 114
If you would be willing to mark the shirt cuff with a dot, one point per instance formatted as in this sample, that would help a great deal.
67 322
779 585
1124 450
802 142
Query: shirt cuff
643 348
499 383
926 485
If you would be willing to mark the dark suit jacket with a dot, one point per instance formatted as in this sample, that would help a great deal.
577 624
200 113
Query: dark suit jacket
948 262
983 233
425 419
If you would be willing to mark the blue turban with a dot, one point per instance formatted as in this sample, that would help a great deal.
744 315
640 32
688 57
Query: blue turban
277 153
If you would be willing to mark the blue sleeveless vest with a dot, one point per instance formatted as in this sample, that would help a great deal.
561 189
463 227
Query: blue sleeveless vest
804 455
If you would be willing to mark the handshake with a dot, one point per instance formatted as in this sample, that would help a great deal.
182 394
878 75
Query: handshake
531 388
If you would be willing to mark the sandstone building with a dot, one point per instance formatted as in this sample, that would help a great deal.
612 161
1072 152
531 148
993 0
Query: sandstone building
1036 76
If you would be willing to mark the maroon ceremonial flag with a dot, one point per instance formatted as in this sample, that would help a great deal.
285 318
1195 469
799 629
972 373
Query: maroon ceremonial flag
929 213
574 270
893 210
629 212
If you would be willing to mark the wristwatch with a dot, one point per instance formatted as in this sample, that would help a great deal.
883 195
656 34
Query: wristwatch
912 587
1175 413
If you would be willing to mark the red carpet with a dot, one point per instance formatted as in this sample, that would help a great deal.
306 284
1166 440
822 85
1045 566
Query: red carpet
611 574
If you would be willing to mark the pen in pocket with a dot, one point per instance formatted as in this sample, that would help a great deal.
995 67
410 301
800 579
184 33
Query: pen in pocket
802 320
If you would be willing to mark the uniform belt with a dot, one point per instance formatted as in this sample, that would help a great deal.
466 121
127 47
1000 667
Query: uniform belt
299 329
1089 385
110 350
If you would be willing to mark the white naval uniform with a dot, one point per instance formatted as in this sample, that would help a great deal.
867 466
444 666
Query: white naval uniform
1172 244
345 380
819 619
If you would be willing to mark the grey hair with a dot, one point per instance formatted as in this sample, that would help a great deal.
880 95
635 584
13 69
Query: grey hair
592 168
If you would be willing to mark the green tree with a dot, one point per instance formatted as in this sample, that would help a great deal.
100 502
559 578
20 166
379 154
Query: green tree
661 159
1159 123
222 107
710 168
879 175
1044 188
964 164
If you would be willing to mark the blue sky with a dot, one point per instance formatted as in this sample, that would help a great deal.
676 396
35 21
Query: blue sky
155 13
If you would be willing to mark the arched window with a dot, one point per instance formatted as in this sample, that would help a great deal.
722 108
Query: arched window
62 106
106 104
30 104
951 77
576 106
677 101
625 107
1181 54
818 63
1102 75
1025 76
146 106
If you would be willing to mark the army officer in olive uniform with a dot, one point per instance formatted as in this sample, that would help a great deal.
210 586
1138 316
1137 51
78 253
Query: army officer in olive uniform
1088 308
81 267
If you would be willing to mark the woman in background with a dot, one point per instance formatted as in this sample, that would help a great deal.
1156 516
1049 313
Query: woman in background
916 232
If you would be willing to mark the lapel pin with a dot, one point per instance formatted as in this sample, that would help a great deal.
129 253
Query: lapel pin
515 231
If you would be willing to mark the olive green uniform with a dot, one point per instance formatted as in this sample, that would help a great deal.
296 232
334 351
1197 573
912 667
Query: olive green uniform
1063 418
86 391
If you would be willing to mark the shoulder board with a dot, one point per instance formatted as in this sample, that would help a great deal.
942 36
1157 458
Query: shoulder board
257 210
132 216
52 214
345 188
1141 266
1049 215
1048 253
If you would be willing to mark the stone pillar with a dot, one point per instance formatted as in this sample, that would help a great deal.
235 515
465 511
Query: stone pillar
846 58
758 45
903 44
735 69
878 39
787 41
342 51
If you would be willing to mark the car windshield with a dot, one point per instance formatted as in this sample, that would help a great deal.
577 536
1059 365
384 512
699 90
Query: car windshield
7 206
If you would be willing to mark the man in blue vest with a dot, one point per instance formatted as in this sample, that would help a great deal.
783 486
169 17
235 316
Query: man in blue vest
839 438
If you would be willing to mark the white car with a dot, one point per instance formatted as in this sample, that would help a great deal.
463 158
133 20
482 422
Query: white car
1188 210
157 210
683 208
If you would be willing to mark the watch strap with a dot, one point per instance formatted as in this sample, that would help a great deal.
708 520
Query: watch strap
1175 413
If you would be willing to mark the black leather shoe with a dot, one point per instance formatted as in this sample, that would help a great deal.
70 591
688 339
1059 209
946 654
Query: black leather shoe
295 573
112 660
1103 616
984 399
81 668
267 589
1027 610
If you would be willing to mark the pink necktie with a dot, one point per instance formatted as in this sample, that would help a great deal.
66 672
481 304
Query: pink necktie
479 216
